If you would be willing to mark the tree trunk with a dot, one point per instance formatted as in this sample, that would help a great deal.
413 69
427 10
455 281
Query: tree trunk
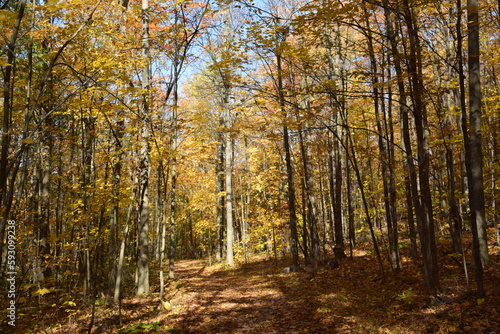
143 219
444 108
350 208
385 159
41 270
389 134
173 179
425 220
219 201
310 200
305 233
476 190
410 178
8 88
354 164
337 205
473 149
121 257
288 164
229 187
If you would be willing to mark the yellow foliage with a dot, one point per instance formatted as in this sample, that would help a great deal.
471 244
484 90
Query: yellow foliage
40 292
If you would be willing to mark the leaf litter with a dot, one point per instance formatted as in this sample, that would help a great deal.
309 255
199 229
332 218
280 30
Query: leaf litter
258 298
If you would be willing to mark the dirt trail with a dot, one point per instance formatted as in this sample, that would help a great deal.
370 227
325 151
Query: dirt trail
250 299
258 298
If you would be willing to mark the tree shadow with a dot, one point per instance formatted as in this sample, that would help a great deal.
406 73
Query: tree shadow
258 298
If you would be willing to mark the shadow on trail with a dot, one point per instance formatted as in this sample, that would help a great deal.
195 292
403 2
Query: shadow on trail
257 298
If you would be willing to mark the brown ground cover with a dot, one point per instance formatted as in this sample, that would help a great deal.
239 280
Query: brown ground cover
258 298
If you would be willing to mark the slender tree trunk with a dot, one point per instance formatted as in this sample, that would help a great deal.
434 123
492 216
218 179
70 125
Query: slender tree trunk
225 81
305 209
444 103
245 204
87 179
425 219
323 238
177 63
288 164
389 134
384 158
42 271
310 200
474 154
331 186
476 184
291 201
337 205
410 178
455 218
115 209
494 184
162 228
8 88
121 257
305 233
219 202
350 208
173 181
97 254
114 222
143 219
460 97
354 164
229 188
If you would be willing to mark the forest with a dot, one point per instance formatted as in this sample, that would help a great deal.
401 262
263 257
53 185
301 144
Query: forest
250 166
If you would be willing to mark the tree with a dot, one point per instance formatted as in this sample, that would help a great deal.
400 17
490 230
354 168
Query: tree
424 210
144 167
6 168
473 147
287 137
280 40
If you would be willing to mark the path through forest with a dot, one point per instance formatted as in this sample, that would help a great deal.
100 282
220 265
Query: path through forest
250 299
259 298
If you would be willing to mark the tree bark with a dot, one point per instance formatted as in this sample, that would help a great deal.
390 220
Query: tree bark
410 178
8 88
473 146
288 162
219 201
354 164
229 187
385 158
337 205
476 189
173 177
310 200
425 219
143 219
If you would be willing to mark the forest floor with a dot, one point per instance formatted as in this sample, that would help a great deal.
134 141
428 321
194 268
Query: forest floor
258 297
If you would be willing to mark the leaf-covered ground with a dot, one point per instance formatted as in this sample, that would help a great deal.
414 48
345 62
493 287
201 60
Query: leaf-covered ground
258 298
